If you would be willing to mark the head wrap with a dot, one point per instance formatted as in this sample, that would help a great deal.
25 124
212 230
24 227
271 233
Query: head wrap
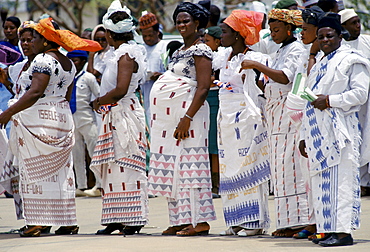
122 26
26 24
289 16
284 4
347 14
88 30
147 20
258 7
197 11
206 4
312 15
7 55
247 23
66 39
332 22
78 54
95 30
14 20
214 31
310 2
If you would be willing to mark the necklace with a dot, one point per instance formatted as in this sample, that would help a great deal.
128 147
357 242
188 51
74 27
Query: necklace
51 50
196 41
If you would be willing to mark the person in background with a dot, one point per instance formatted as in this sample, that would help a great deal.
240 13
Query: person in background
172 47
155 48
309 3
212 38
16 78
86 34
96 62
86 131
352 23
179 161
331 135
287 4
43 132
240 123
119 155
328 5
291 198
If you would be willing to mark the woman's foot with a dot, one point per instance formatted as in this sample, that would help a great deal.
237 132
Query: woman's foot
174 229
231 231
200 229
286 232
250 232
30 231
306 232
44 229
66 230
110 229
130 230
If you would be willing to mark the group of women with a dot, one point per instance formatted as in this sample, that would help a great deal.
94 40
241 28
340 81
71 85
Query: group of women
258 134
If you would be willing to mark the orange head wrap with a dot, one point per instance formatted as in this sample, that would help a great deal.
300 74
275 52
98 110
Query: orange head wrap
66 39
247 23
289 16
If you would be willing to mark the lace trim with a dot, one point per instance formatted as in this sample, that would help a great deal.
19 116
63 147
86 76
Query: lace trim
195 50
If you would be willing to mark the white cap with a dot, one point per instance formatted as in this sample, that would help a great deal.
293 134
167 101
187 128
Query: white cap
347 14
258 7
310 2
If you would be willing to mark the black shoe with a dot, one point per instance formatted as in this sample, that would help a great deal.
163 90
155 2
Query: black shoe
66 230
316 241
110 229
335 241
130 230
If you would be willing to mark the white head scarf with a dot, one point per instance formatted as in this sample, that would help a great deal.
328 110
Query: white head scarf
123 26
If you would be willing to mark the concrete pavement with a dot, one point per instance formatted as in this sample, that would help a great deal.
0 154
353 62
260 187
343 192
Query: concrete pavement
150 238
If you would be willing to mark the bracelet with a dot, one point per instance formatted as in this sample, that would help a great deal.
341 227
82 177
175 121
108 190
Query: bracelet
191 118
314 54
327 101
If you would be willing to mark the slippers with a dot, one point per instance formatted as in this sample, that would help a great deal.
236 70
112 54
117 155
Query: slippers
306 232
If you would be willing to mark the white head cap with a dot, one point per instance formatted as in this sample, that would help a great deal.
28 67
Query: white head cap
122 26
347 14
258 7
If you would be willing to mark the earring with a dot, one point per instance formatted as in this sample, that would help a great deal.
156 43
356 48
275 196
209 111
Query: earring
236 38
288 33
196 30
45 44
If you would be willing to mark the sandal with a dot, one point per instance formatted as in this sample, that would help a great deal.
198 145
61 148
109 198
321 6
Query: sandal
31 231
316 236
173 230
285 232
130 230
200 229
231 231
306 232
66 230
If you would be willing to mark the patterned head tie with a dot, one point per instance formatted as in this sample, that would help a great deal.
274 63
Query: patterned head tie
197 11
293 17
123 26
247 23
66 39
26 24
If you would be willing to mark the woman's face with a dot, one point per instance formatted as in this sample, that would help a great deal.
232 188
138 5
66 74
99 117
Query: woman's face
279 31
212 42
101 39
26 43
308 33
185 24
38 43
228 36
10 30
328 39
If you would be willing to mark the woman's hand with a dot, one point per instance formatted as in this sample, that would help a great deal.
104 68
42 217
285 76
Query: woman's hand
5 118
321 102
182 129
247 64
302 148
96 105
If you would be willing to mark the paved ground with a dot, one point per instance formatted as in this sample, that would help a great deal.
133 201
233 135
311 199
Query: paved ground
88 214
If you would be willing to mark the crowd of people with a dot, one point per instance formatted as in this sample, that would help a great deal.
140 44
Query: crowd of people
234 110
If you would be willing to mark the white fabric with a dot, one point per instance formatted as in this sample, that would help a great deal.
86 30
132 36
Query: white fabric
291 198
134 51
346 14
122 26
332 142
